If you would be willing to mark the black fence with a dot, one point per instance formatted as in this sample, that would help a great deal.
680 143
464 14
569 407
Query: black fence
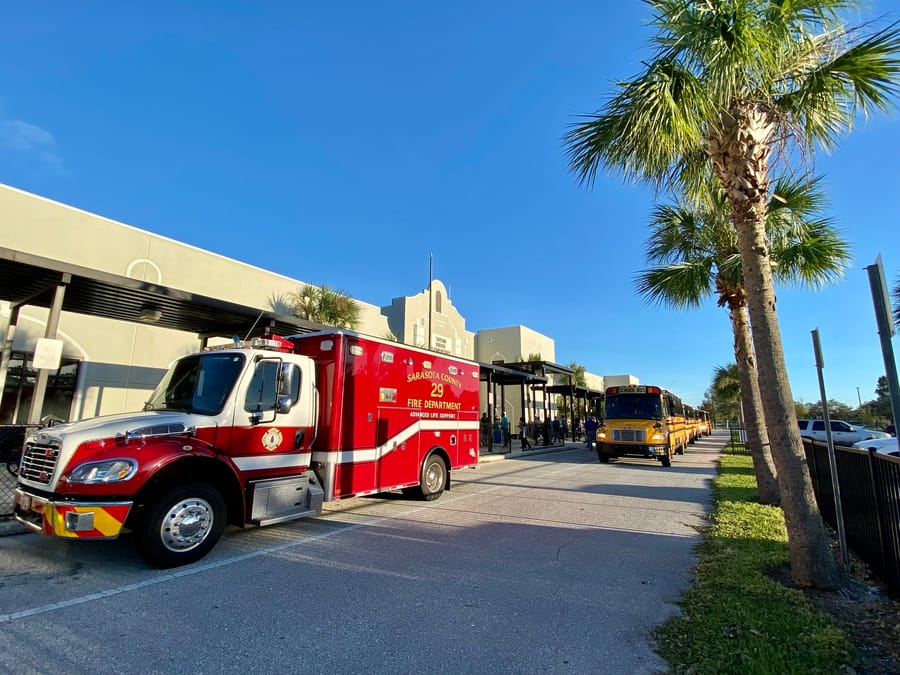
870 503
738 443
12 438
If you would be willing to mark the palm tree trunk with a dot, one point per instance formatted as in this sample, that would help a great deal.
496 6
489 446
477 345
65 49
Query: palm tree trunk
740 148
754 420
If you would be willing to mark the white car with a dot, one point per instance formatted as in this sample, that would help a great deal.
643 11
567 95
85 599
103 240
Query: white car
883 446
842 433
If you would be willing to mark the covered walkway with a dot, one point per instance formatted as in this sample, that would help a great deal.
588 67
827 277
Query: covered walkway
27 279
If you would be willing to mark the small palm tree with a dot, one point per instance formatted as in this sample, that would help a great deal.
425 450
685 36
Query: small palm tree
726 385
578 378
697 255
730 83
325 305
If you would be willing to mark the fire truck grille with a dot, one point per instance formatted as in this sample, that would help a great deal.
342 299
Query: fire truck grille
39 461
637 435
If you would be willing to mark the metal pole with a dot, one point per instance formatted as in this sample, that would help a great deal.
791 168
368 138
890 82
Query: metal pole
430 296
885 330
40 385
839 513
10 331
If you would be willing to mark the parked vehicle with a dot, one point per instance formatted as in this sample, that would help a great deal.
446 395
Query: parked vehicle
842 433
255 433
642 421
883 446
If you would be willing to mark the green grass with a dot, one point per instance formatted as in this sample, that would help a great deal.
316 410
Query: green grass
735 618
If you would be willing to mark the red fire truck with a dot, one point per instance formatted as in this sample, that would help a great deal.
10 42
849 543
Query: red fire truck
258 432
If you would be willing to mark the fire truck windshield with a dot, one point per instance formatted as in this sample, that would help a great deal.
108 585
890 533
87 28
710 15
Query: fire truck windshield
200 383
633 406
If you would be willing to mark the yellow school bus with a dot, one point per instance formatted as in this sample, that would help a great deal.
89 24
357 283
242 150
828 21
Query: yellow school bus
642 421
698 423
693 418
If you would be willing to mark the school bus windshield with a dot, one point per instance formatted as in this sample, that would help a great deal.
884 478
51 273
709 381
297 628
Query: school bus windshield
633 406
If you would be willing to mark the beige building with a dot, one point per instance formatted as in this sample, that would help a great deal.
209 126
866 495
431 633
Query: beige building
513 344
110 366
446 331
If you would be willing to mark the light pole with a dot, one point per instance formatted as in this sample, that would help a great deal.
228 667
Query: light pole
858 397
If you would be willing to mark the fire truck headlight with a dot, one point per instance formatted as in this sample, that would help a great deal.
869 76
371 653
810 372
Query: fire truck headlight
109 471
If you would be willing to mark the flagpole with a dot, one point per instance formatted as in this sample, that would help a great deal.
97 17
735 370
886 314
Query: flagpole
430 295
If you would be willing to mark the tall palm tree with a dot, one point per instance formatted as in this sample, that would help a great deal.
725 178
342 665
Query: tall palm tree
325 305
730 82
696 252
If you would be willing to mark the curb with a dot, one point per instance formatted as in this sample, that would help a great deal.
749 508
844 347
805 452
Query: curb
517 453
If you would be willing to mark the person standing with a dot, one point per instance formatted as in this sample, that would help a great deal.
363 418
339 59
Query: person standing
485 429
523 434
590 432
504 428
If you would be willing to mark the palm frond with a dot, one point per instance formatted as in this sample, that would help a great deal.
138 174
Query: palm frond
680 285
829 86
644 129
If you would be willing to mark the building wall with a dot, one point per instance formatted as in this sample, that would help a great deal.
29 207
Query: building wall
597 382
509 345
407 319
512 344
123 361
620 380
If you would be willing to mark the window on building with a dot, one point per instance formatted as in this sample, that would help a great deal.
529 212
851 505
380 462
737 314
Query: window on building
19 388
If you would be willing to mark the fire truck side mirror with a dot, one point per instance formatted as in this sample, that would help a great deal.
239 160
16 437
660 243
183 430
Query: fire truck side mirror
284 404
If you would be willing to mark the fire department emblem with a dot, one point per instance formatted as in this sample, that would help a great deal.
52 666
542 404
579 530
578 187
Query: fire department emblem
271 439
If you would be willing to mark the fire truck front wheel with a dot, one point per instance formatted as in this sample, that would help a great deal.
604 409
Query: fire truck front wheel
182 525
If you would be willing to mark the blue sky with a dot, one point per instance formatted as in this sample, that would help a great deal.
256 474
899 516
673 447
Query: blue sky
342 143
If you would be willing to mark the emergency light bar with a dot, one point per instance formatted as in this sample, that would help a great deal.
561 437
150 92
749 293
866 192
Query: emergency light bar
273 343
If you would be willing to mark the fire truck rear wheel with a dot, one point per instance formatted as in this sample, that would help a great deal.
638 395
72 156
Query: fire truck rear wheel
182 525
434 478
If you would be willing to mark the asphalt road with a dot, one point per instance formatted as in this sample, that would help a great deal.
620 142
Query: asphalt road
551 563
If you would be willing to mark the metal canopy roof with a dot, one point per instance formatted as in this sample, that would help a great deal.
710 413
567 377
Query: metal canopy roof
543 367
502 375
577 390
27 279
